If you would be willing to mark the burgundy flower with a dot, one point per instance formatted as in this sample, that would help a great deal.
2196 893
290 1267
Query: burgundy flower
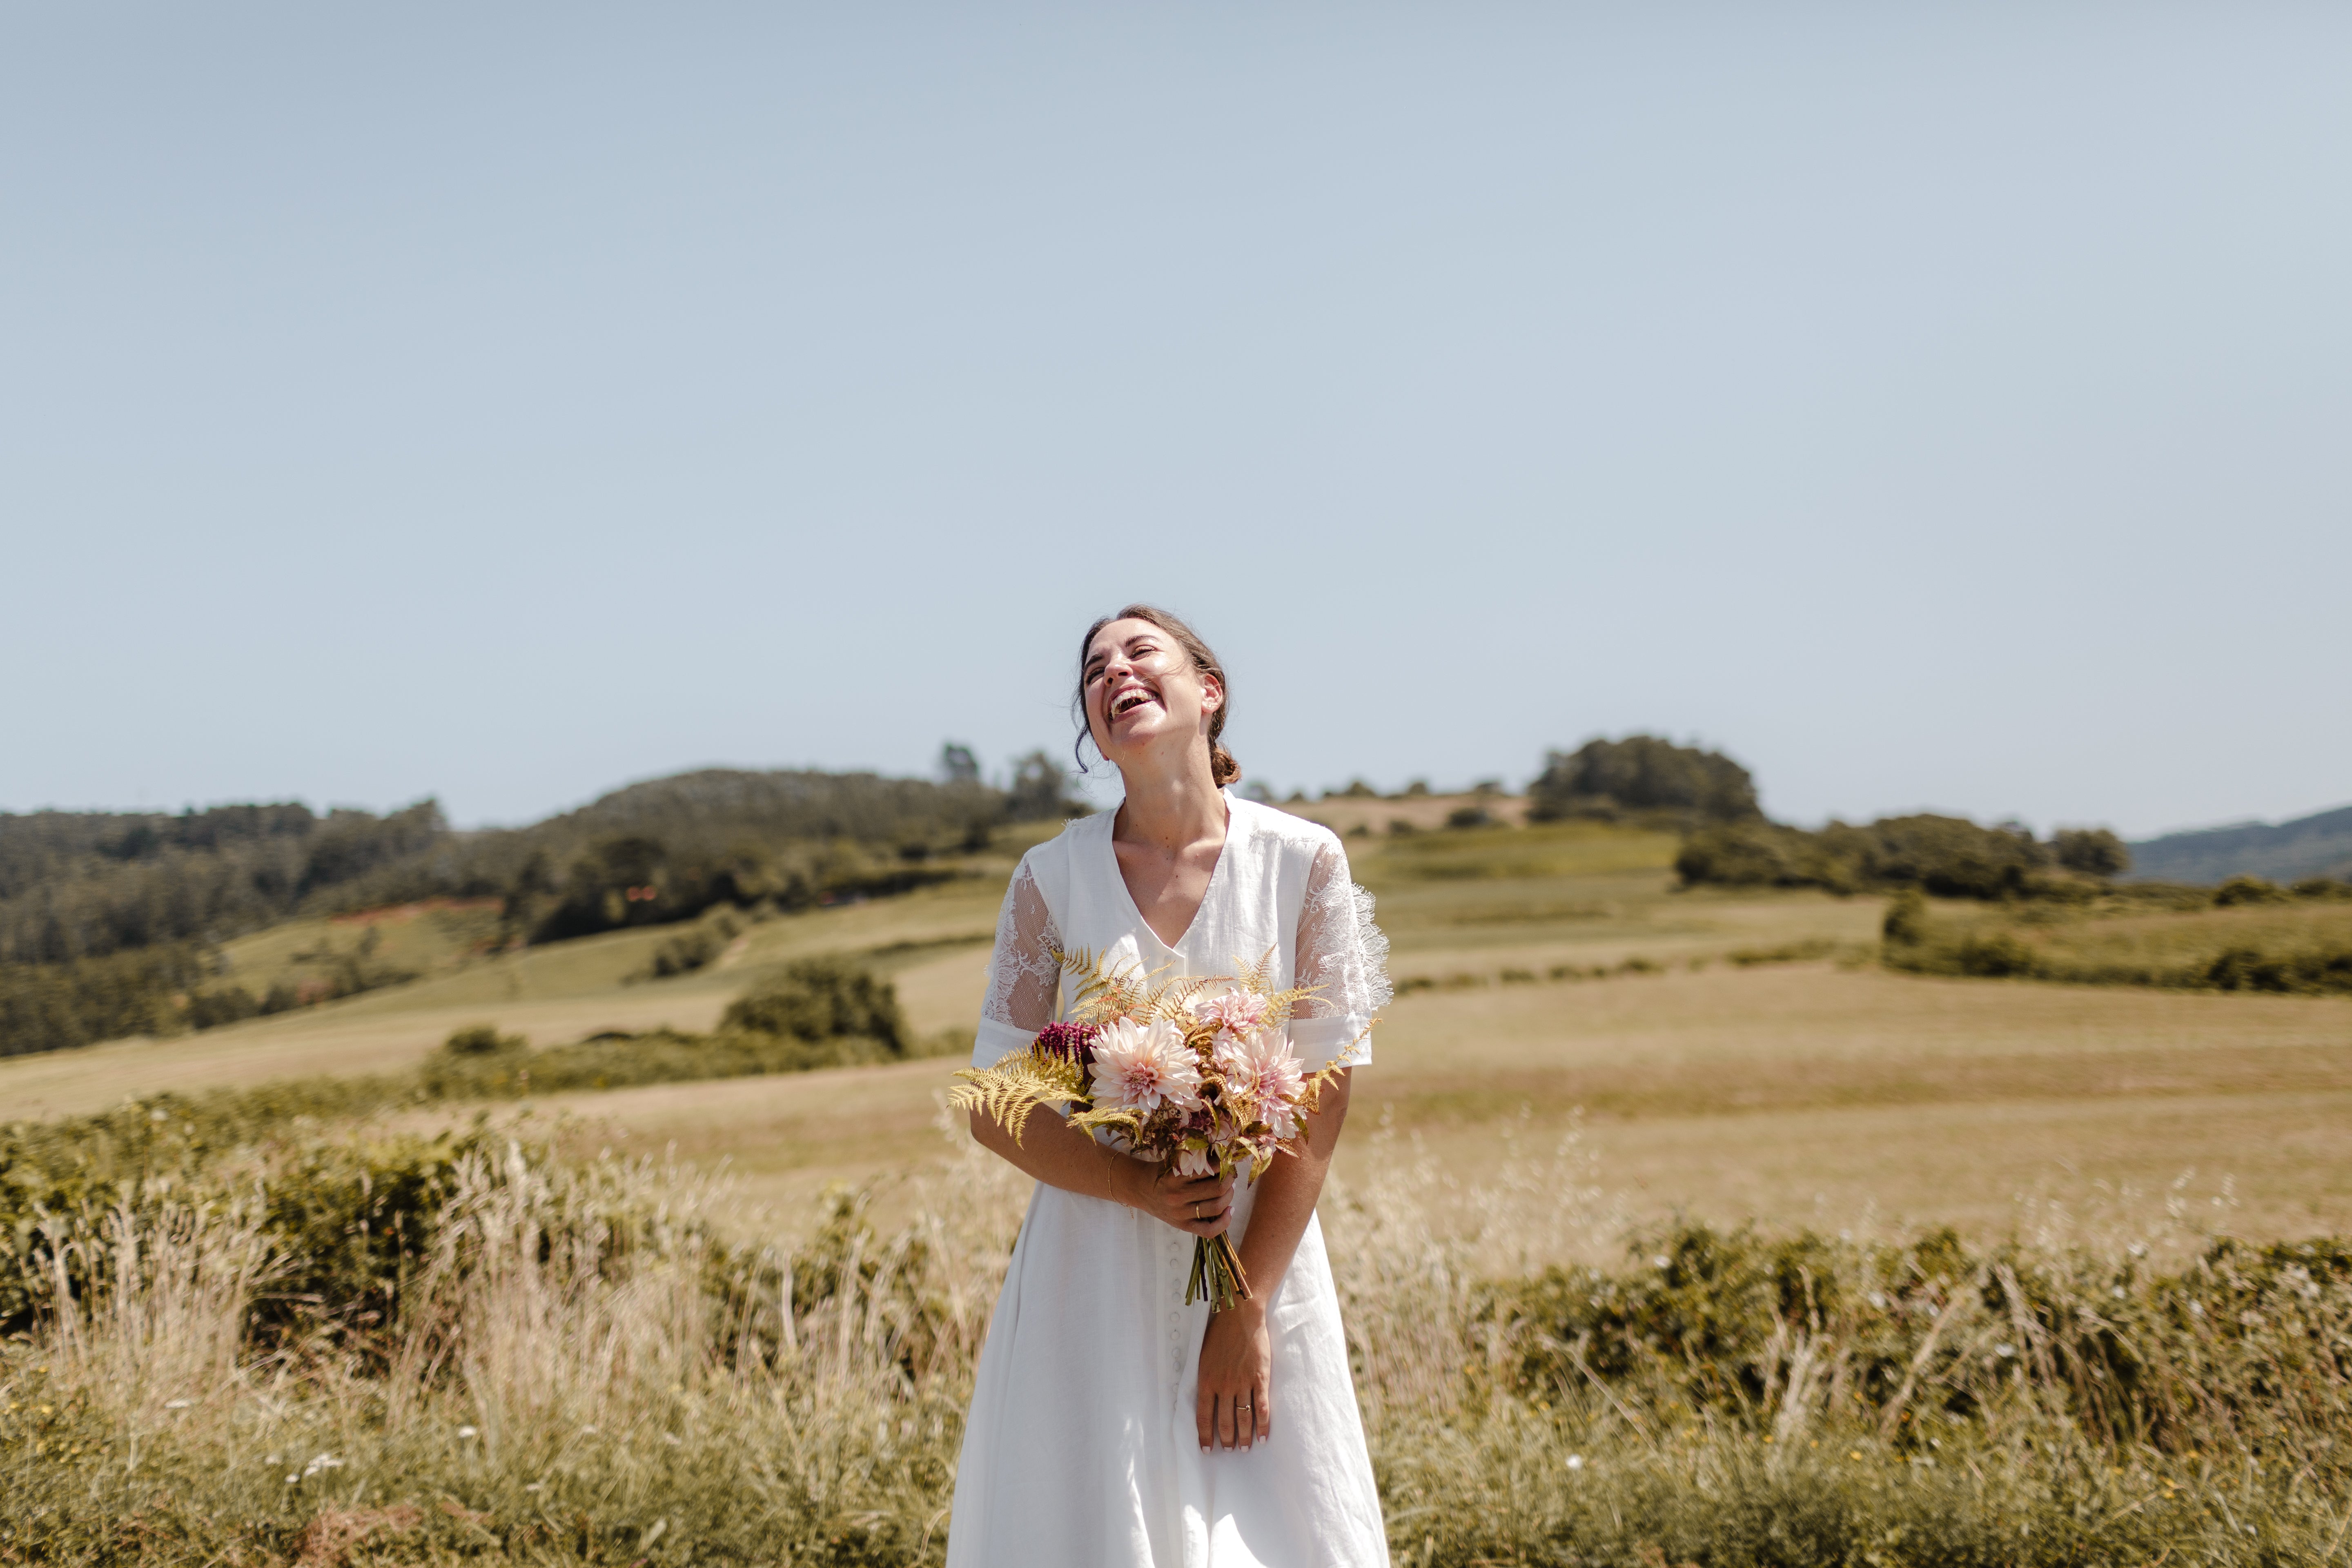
1074 1041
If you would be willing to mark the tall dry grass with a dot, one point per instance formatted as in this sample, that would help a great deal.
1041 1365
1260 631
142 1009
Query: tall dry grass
580 1369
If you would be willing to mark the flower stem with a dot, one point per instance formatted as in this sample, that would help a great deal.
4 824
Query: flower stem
1216 1274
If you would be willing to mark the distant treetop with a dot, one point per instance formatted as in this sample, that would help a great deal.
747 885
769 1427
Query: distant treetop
1642 774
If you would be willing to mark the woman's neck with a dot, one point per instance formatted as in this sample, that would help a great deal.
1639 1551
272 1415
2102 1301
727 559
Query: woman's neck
1173 806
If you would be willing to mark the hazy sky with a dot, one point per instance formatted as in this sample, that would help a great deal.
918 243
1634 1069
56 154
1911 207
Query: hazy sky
1938 406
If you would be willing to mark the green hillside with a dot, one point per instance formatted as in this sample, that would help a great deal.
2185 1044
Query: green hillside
127 923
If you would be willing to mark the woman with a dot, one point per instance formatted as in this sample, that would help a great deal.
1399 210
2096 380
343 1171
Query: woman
1111 1424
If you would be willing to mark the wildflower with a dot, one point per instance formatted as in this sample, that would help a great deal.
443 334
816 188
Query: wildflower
177 1404
1139 1067
320 1462
2004 1351
466 1432
1576 1461
1263 1069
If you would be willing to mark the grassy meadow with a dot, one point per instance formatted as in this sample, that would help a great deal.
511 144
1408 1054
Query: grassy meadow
744 1328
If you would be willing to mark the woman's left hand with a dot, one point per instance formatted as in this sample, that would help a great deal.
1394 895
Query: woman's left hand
1236 1402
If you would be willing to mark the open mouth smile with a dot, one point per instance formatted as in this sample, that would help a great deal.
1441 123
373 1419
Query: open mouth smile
1129 701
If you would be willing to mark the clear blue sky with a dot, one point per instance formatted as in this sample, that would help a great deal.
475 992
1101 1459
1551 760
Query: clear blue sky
1934 406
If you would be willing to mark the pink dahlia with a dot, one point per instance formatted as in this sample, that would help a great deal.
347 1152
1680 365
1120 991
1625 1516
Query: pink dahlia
1233 1012
1261 1070
1140 1067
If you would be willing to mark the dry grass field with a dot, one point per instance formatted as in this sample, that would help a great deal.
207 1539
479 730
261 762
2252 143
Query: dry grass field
678 1355
1821 1090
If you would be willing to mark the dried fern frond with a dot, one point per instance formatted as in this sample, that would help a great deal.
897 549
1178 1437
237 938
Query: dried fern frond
1018 1085
1310 1095
1100 992
1125 1122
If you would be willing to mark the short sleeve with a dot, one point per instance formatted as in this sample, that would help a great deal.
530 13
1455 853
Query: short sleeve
1342 955
1024 974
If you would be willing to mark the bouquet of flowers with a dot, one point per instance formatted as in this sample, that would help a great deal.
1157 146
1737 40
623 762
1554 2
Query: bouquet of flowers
1197 1072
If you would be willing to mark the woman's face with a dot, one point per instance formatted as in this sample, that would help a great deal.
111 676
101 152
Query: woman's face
1142 690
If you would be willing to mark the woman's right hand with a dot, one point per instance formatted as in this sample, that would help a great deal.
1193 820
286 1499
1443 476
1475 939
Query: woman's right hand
1197 1206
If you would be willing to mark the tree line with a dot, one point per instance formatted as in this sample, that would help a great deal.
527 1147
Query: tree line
1729 841
108 919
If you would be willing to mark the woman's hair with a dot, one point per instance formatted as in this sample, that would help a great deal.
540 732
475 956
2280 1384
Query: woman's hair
1221 766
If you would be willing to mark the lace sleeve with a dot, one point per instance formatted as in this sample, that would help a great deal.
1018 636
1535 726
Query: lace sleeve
1025 978
1343 954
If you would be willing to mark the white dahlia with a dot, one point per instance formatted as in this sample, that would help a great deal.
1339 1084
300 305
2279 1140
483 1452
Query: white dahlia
1261 1068
1140 1067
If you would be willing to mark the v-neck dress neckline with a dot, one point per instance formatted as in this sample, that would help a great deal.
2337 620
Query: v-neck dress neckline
1118 875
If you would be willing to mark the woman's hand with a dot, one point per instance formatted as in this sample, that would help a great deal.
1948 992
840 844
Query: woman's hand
1197 1206
1236 1399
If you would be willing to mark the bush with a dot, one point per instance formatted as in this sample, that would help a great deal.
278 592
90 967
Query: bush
1760 854
1949 856
482 1040
2242 889
822 999
227 1004
1641 772
1907 917
2311 963
695 947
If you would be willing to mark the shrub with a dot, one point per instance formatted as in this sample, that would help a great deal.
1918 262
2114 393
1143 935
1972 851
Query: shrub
482 1040
820 999
695 947
1949 856
1907 917
2243 889
1759 854
1995 955
226 1005
1469 816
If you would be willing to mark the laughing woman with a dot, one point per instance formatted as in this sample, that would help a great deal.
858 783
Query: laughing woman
1111 1424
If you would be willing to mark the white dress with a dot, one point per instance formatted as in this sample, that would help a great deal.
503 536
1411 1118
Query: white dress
1082 1450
